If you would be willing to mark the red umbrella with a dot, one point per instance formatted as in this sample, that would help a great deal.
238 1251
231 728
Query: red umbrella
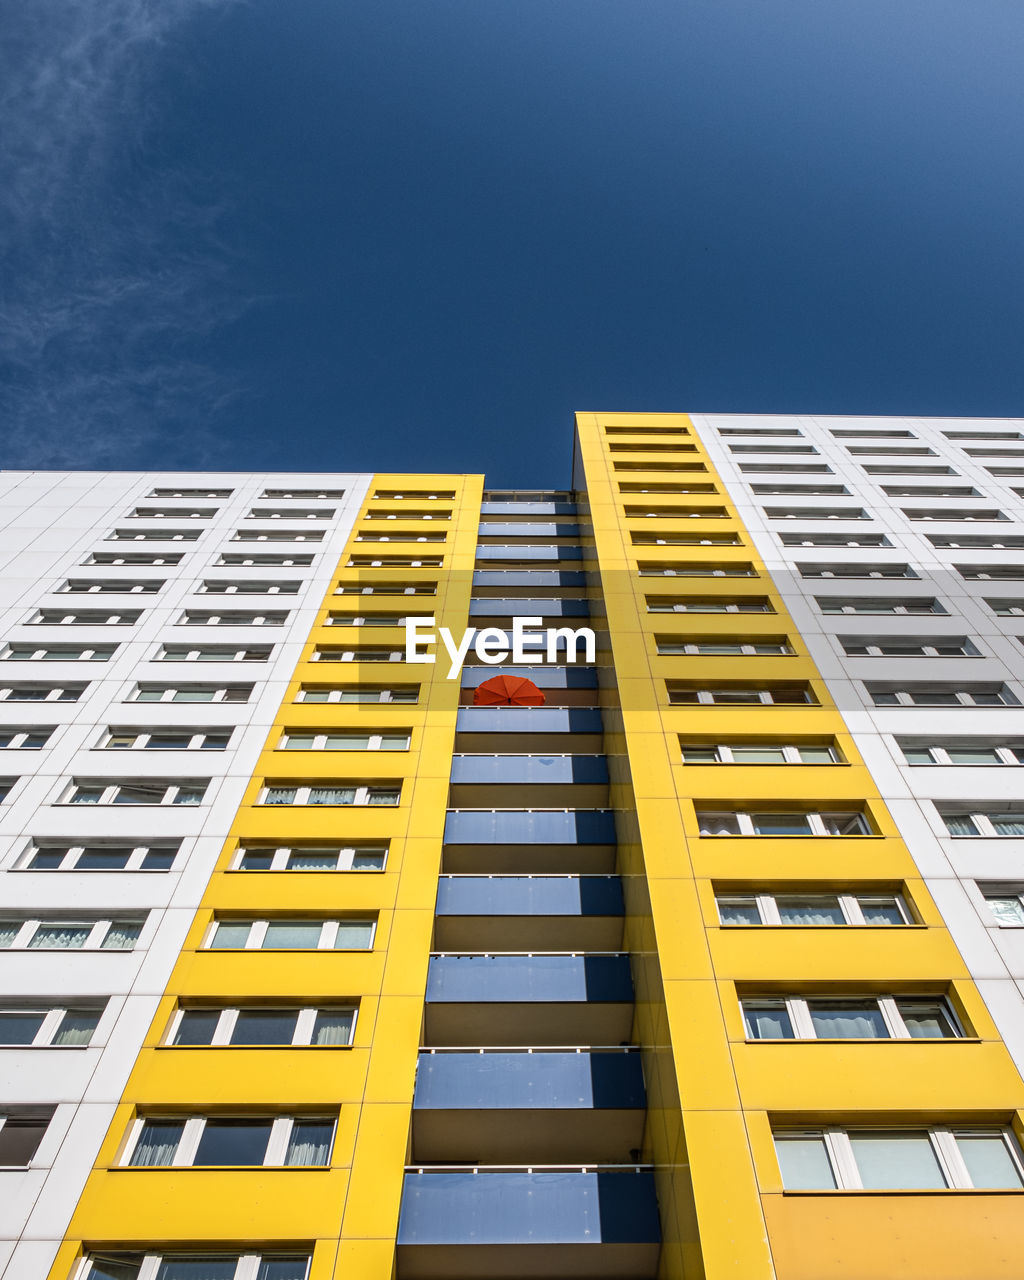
508 691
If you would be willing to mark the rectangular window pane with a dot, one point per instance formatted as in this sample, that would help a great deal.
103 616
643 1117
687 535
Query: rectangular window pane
113 1268
292 934
333 1027
1007 826
768 1021
76 1028
927 1019
238 1142
960 824
881 911
332 795
19 1028
279 795
310 1143
217 1268
1007 910
804 1162
847 1020
738 911
256 860
896 1161
759 755
283 1269
229 936
103 860
810 910
323 861
355 935
264 1026
368 861
988 1160
59 937
973 755
157 1143
20 1139
121 937
9 930
197 1026
781 824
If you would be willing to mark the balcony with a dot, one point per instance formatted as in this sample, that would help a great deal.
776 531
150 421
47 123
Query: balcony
544 677
575 781
539 508
510 1224
528 999
529 578
527 529
490 554
528 729
527 607
528 1105
524 912
578 841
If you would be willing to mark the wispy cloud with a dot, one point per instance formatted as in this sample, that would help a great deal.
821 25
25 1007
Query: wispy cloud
114 271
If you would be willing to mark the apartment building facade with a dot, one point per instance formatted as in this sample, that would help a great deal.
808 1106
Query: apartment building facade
705 967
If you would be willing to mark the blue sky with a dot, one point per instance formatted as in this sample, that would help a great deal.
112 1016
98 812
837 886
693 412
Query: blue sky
420 233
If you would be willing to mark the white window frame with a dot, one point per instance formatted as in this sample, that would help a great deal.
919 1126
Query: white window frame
291 513
705 698
258 932
368 619
668 647
232 618
167 693
129 560
832 606
386 589
363 792
790 752
108 789
407 515
110 586
230 559
281 856
752 604
942 1138
401 537
53 1016
374 740
921 650
940 755
222 653
247 1265
982 821
305 1024
188 1144
849 903
982 514
277 535
52 693
800 1018
326 653
1008 608
816 820
213 494
20 734
155 535
964 698
394 562
64 653
74 853
141 738
307 495
337 696
98 930
171 513
853 571
256 587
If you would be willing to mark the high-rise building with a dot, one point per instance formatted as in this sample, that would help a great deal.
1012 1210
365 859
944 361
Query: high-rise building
318 964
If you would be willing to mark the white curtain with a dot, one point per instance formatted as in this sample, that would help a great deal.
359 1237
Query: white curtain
157 1143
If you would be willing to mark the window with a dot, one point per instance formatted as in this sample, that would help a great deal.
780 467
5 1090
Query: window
834 540
819 490
994 453
983 435
286 560
906 451
254 586
389 495
897 1159
665 486
31 738
172 513
211 1141
357 653
386 589
303 857
953 513
154 535
380 740
180 1266
962 753
849 1018
994 542
279 934
878 604
277 535
685 539
759 753
942 695
780 468
21 1131
111 586
816 513
675 513
850 570
139 791
400 537
759 431
723 646
191 693
100 856
708 604
650 447
792 822
131 558
658 464
909 646
407 513
695 569
68 1027
1005 471
212 653
6 786
41 692
742 695
772 448
408 693
331 793
1007 905
1007 572
930 491
168 739
190 493
395 562
877 433
368 619
83 618
1006 821
291 513
232 618
327 1027
893 469
70 935
303 493
1007 608
813 909
57 652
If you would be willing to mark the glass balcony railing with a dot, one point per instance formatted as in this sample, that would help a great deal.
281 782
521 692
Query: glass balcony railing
529 578
554 978
539 770
523 607
540 508
552 552
555 1080
527 528
529 826
529 720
